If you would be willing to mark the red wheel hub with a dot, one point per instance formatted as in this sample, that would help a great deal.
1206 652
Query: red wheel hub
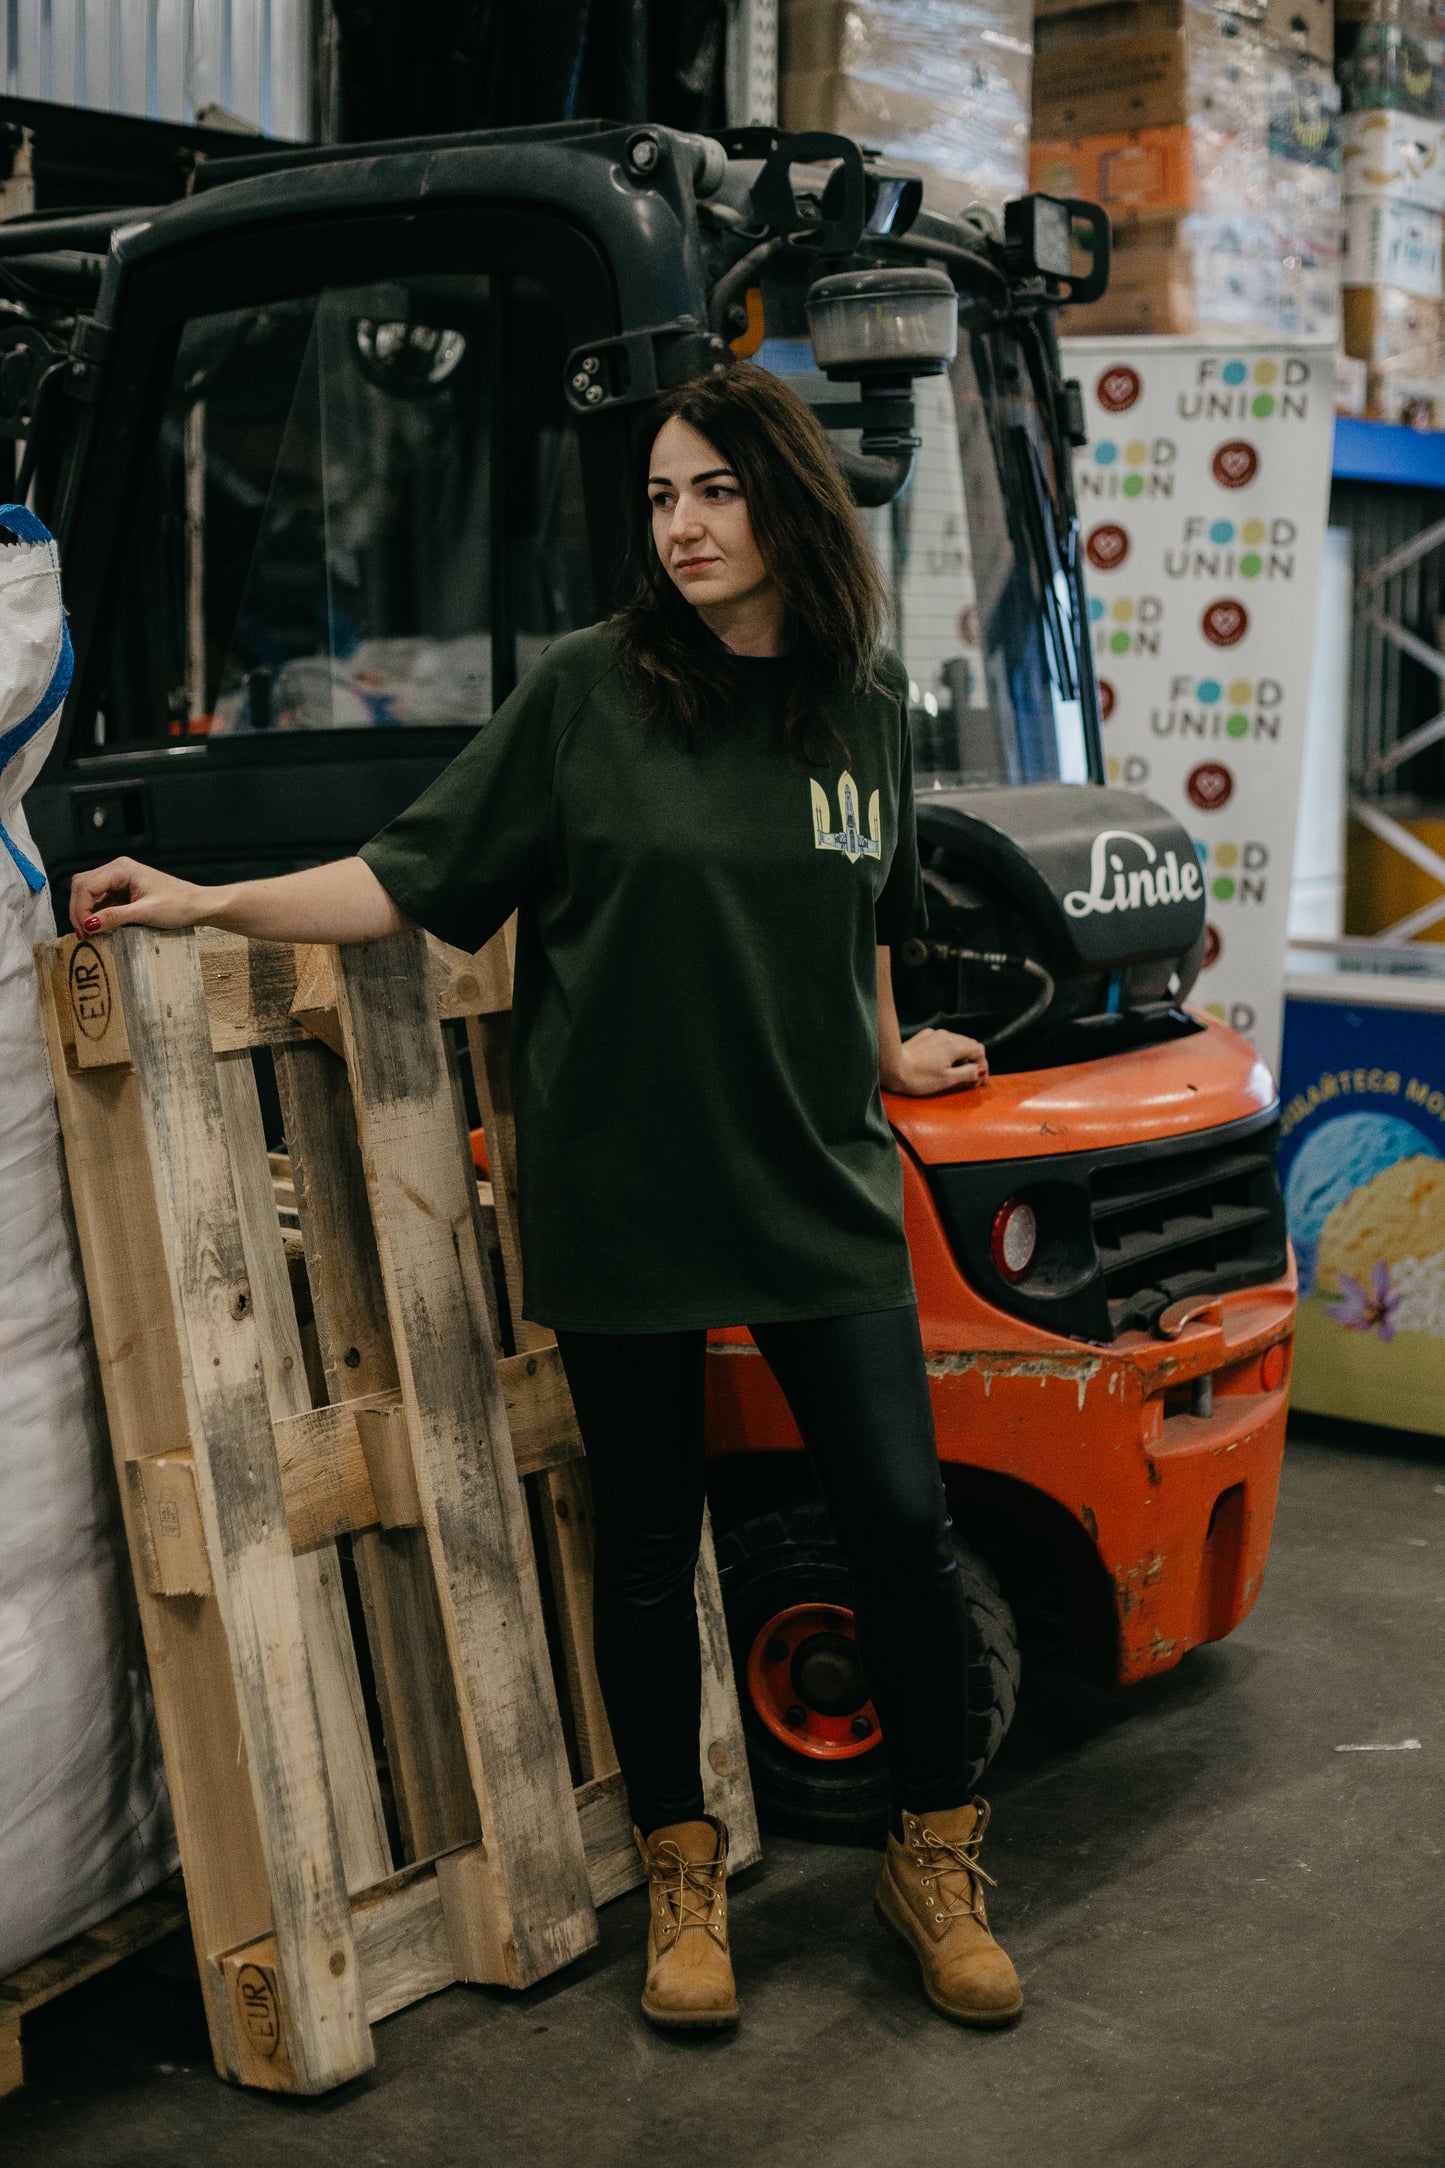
806 1683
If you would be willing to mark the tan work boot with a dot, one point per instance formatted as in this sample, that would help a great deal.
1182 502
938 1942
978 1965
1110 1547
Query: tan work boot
689 1972
931 1893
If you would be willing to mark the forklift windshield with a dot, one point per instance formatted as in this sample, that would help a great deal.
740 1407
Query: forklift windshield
340 477
984 615
323 518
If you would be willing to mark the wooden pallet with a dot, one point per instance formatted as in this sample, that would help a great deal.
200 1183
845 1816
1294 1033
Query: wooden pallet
251 1504
133 1928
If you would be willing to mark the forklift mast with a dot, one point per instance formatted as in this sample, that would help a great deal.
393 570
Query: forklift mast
336 443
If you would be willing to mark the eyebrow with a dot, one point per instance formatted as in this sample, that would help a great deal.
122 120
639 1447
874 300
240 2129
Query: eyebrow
711 475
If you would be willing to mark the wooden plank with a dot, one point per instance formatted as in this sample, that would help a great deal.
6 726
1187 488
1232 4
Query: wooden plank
380 1421
472 1504
314 1002
431 1785
567 1520
134 1927
140 1370
490 1039
476 1910
211 1296
346 1466
97 1027
725 1783
250 986
566 1497
401 1942
460 985
614 1863
12 2065
539 1410
266 2019
169 1512
483 1226
324 1477
341 1707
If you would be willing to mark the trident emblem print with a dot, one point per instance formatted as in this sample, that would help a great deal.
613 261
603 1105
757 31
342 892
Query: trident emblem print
849 838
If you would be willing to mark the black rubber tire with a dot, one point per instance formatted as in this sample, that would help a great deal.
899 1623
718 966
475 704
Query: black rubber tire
790 1557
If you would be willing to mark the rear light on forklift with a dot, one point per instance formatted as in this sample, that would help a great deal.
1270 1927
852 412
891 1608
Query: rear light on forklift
1272 1367
1014 1239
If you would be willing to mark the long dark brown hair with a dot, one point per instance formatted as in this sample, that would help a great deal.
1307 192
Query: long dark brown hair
808 534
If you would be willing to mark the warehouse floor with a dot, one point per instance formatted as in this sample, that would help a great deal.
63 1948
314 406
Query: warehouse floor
1232 1936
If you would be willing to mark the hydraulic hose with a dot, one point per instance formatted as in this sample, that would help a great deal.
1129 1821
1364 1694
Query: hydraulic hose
916 952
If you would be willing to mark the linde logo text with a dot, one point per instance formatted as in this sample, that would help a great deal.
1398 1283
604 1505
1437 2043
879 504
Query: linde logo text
1113 886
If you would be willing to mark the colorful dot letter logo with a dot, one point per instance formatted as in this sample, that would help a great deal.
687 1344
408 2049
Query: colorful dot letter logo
1107 547
1118 388
1106 700
1210 786
1235 464
1224 623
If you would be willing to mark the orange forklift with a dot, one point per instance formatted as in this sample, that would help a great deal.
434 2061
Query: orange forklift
333 442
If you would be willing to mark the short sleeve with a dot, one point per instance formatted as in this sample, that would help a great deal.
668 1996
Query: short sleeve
900 909
462 856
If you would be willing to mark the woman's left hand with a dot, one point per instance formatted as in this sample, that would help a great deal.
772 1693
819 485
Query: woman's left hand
936 1061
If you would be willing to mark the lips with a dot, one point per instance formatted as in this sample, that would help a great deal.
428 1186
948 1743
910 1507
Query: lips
695 564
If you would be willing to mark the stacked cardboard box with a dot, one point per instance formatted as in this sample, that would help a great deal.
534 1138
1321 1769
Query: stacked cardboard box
1394 183
1211 136
941 84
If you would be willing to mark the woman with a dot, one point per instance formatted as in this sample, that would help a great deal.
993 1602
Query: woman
703 813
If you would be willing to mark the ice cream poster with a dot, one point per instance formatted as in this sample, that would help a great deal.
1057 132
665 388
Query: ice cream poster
1202 493
1362 1162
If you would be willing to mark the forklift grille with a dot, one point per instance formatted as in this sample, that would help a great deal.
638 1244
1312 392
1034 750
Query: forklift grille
1195 1223
1124 1232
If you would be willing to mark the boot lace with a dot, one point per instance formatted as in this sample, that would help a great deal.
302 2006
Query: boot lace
690 1884
948 1860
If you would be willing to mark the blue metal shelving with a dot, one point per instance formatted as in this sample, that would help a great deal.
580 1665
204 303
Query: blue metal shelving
1385 452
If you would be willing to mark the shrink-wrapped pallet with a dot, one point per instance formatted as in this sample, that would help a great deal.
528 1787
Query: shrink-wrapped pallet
84 1820
1211 136
939 84
1393 156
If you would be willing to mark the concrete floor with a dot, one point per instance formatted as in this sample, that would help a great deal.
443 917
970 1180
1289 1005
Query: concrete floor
1232 1937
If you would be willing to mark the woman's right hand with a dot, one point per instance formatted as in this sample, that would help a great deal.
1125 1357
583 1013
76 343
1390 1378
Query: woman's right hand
126 893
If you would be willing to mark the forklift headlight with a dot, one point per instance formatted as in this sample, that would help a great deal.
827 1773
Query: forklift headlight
1014 1239
886 323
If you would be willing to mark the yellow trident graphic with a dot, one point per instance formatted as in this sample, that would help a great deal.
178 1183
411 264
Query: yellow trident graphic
849 838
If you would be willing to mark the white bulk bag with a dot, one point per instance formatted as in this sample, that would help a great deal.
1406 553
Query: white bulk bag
84 1819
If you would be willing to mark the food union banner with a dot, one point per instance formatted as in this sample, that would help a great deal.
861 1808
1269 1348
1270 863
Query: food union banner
1202 495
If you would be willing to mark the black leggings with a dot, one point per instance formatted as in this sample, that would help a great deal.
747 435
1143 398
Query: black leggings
859 1395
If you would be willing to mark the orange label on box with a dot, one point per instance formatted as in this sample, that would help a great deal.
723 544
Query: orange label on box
1150 170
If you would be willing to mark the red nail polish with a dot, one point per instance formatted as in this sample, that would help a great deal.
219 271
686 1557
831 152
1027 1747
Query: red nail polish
90 924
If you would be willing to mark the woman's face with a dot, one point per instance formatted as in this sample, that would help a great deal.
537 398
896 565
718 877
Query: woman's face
700 520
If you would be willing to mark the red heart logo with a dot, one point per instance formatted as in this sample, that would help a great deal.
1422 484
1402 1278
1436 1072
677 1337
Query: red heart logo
1210 786
1224 623
1107 547
1118 388
1235 464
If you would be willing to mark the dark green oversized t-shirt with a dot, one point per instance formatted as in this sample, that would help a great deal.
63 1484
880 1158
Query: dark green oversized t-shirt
695 1061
